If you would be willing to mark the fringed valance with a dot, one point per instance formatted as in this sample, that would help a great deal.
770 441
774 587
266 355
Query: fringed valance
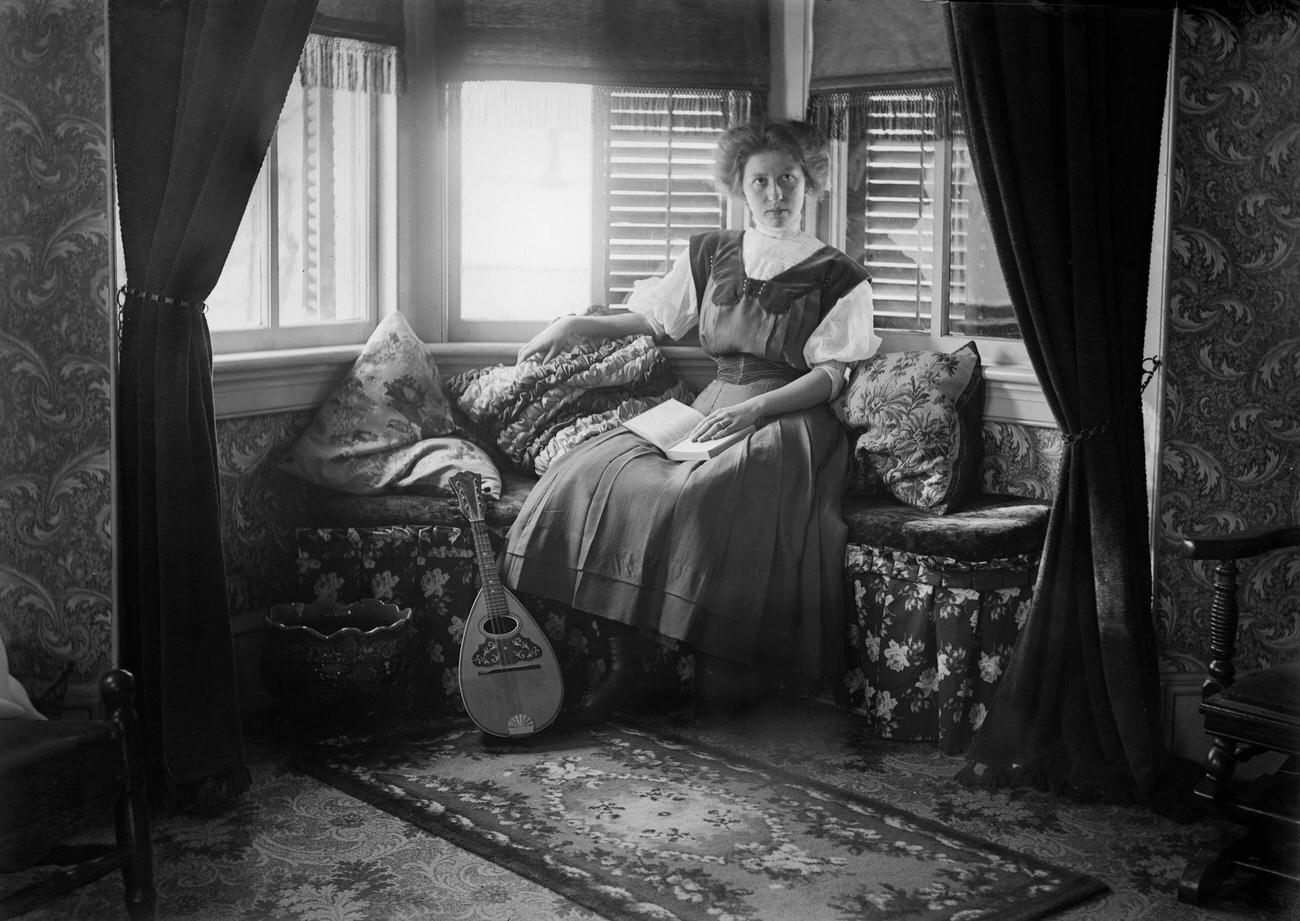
929 113
652 107
334 63
506 104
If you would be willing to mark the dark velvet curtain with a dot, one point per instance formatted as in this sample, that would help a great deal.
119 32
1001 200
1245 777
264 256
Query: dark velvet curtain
1063 107
197 89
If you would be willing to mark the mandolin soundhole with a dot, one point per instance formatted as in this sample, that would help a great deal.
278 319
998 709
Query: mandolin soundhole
499 625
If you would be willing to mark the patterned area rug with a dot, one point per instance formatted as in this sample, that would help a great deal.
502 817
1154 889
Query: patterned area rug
634 824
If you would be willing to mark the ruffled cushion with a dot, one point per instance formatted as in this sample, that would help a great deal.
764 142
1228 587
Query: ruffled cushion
917 416
388 426
535 411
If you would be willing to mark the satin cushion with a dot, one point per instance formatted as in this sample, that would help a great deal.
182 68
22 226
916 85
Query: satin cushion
388 426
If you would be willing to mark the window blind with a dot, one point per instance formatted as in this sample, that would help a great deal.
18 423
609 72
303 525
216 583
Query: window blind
658 186
913 213
372 20
719 43
894 167
860 40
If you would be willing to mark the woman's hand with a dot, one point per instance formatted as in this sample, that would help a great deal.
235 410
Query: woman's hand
550 342
729 419
565 333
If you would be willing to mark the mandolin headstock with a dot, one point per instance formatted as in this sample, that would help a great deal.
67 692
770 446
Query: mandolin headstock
469 491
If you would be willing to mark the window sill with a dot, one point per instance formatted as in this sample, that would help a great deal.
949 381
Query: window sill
257 383
1013 394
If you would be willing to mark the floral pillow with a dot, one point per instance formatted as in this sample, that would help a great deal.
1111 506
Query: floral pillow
388 426
918 417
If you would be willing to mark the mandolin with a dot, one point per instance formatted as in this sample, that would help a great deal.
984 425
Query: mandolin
509 679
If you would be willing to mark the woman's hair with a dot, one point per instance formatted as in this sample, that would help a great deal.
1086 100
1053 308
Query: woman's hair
796 138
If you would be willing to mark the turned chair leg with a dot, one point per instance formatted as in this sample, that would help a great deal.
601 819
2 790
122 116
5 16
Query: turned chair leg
1207 870
131 813
1220 764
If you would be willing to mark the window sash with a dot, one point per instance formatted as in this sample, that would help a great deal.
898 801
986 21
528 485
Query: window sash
652 157
317 235
658 184
909 216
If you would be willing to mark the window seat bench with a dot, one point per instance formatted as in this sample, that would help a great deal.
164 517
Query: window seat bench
937 601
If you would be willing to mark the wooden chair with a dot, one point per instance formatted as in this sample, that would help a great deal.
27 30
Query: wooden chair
58 775
1247 716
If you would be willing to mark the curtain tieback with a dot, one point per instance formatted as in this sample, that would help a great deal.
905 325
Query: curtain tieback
1092 431
127 291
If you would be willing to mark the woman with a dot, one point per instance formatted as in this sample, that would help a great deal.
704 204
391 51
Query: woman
740 556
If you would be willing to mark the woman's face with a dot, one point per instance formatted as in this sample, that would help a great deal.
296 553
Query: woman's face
773 183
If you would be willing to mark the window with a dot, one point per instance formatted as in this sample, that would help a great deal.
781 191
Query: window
659 189
565 194
915 218
312 262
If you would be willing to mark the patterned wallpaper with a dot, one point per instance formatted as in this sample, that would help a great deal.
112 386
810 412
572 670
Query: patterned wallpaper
55 338
259 507
1021 460
1232 357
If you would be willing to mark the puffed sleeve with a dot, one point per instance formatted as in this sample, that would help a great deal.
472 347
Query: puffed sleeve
845 335
667 301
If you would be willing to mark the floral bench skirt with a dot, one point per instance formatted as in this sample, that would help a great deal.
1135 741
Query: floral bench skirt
432 570
937 602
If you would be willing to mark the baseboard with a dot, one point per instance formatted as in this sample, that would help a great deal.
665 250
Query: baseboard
1180 695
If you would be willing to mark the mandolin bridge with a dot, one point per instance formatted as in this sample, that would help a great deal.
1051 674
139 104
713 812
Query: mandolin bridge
510 668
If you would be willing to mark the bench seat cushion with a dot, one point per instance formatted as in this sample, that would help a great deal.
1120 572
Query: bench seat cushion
410 510
988 527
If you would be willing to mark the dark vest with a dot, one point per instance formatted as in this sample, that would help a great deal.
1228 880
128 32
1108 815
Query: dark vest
770 318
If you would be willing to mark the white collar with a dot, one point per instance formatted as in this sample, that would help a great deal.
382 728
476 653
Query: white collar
777 233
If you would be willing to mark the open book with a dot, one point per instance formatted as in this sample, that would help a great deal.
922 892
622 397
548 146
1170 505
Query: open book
668 425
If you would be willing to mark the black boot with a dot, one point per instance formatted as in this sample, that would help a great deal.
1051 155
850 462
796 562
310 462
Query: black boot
616 689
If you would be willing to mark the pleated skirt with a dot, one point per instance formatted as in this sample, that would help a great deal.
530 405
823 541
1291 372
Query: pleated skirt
740 556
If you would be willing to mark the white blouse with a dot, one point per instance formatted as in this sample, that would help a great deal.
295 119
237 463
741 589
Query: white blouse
844 335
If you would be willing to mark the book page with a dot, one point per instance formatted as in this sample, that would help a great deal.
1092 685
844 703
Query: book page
666 424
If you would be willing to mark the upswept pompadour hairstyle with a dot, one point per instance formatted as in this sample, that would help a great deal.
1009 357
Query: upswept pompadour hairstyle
798 139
